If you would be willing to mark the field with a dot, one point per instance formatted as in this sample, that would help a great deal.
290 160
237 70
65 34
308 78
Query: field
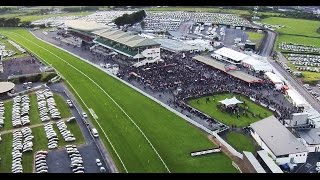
307 76
5 153
297 39
211 109
255 37
40 141
37 17
11 47
24 17
62 106
132 122
240 141
295 26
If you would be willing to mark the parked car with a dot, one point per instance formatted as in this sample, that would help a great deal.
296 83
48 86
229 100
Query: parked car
84 115
103 170
98 162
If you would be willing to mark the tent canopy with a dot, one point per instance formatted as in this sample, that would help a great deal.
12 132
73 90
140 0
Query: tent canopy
231 101
138 56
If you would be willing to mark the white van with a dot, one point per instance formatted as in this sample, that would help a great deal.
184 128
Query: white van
94 132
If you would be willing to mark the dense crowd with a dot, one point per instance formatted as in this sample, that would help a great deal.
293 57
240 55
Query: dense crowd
187 78
19 66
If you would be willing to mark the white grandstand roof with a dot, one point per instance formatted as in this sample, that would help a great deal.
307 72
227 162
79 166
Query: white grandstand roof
277 137
296 98
255 163
232 54
269 162
274 78
257 65
84 25
174 45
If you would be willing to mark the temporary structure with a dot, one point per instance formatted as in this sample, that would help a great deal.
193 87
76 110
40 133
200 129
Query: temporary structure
230 102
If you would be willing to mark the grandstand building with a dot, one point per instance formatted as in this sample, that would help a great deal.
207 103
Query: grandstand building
141 49
82 29
132 46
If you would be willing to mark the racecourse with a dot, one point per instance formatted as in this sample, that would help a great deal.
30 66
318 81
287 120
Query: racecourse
145 137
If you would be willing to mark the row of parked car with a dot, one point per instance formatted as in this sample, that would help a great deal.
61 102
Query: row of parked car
22 142
66 134
20 111
2 114
51 136
46 104
76 159
41 162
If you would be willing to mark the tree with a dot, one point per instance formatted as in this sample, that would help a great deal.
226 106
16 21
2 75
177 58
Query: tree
143 24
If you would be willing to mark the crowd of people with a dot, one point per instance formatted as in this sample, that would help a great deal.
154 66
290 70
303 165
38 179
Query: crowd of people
19 66
186 78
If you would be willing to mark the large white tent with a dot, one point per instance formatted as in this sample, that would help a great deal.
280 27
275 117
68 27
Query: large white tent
274 78
232 101
296 99
256 64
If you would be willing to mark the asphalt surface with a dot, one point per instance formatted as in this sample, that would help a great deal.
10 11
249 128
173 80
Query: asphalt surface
59 162
266 49
296 84
309 166
267 44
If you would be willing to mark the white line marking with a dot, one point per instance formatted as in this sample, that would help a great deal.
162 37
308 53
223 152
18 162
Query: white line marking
107 95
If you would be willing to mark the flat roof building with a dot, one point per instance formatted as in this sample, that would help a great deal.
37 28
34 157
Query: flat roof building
311 138
218 65
278 141
231 55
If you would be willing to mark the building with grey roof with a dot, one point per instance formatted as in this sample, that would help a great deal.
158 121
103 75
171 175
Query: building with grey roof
278 141
310 138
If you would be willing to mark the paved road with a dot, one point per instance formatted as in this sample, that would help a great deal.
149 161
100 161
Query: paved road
309 166
297 85
58 162
266 50
267 44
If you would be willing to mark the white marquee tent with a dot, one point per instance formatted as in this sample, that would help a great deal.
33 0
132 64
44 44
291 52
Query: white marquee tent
231 101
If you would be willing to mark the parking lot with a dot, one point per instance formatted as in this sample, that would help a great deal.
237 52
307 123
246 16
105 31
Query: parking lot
26 140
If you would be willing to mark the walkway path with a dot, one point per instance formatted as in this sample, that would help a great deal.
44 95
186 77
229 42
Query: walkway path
31 126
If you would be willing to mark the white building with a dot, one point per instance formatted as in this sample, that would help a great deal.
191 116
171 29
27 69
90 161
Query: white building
278 141
230 55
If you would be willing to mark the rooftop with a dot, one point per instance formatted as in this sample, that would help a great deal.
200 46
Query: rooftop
277 137
221 66
311 136
6 86
232 54
125 38
85 25
255 163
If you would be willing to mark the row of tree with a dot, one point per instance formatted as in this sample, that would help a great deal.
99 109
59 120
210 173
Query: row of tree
130 19
5 9
9 22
